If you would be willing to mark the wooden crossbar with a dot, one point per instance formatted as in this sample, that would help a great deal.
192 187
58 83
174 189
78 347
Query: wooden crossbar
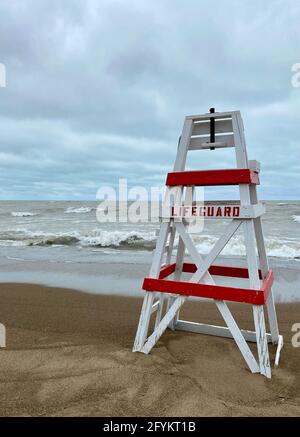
231 271
233 294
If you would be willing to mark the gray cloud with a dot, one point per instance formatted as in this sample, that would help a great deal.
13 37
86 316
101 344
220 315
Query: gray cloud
98 90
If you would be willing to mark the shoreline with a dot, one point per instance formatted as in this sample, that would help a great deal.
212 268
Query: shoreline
119 273
69 353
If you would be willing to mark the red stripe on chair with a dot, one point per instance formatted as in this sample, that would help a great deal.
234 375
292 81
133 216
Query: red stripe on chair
235 272
213 177
233 294
166 271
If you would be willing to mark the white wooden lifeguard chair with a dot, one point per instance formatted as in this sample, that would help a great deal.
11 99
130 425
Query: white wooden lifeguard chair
212 131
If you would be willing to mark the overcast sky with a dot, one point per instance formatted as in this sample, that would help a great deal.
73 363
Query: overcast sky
98 89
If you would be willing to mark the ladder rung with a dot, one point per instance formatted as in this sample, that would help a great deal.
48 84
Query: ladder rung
197 143
154 307
216 115
203 146
221 127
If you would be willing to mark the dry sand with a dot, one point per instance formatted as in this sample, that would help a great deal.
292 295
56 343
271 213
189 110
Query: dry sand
69 353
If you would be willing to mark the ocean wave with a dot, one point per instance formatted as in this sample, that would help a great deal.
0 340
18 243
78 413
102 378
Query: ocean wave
296 218
139 240
80 210
94 238
236 246
23 214
10 243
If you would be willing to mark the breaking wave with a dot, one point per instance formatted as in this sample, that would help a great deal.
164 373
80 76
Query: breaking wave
23 214
139 240
296 218
95 238
80 210
236 247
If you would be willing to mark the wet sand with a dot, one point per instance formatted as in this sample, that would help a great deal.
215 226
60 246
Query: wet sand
69 353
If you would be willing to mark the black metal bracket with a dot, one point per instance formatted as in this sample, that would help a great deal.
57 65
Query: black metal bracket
212 128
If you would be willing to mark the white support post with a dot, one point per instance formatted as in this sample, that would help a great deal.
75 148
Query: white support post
217 331
264 265
258 312
143 326
2 335
146 311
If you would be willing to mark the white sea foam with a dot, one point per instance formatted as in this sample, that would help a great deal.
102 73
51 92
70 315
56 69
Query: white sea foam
80 210
93 238
296 218
236 247
23 214
116 238
15 243
143 240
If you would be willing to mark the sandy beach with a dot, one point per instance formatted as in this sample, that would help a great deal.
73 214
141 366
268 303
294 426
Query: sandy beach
69 353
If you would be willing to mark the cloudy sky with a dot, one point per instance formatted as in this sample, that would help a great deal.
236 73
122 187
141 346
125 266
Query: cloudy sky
98 90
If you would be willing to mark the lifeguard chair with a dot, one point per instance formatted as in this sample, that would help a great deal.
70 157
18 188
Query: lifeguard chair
165 296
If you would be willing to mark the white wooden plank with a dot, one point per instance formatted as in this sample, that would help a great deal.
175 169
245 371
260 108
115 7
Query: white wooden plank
145 315
143 325
216 115
198 143
221 126
219 331
188 200
154 307
279 347
262 346
170 245
159 250
183 145
264 265
258 313
159 309
239 141
209 146
2 335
